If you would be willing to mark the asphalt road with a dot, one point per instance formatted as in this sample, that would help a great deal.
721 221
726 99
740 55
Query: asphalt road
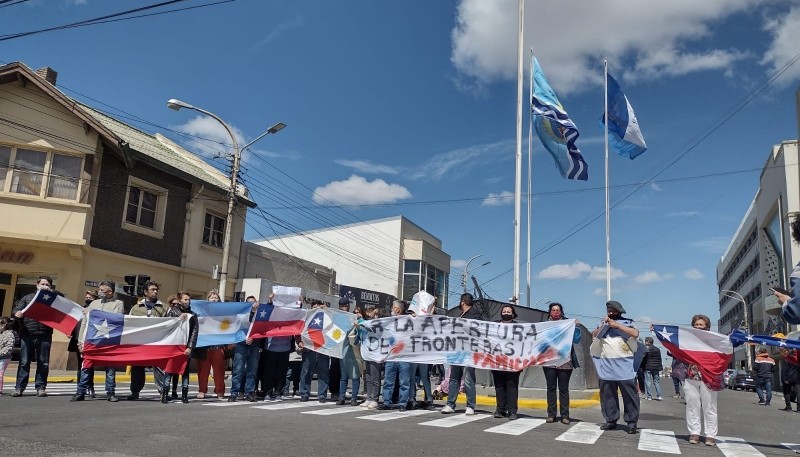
53 426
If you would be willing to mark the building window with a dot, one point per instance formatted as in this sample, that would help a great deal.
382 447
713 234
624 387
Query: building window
214 230
31 172
145 208
419 275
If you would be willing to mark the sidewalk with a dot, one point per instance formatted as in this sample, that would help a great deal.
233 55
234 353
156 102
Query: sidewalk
528 398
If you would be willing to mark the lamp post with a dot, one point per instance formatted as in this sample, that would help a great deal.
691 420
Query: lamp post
466 270
748 349
176 105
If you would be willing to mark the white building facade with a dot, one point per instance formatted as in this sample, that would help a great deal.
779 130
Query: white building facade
761 254
393 256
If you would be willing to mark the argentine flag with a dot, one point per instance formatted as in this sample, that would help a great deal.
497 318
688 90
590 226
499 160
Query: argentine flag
221 323
623 128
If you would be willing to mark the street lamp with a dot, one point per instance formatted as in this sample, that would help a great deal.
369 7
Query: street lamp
466 270
738 296
176 105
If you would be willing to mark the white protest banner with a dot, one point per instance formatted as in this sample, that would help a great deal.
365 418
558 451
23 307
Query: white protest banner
467 342
286 296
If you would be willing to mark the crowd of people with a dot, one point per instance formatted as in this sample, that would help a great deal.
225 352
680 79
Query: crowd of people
272 369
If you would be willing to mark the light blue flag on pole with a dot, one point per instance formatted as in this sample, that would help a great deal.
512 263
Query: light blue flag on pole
555 129
624 134
221 323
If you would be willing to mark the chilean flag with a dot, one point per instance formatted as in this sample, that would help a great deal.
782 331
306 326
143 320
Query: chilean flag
313 331
55 311
710 351
113 339
271 320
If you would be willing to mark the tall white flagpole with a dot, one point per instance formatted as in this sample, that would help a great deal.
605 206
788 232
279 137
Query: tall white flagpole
530 186
518 177
608 219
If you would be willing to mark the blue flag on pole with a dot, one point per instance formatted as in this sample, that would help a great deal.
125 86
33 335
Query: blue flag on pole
624 134
555 129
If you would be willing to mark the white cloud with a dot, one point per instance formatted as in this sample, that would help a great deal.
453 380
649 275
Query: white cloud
457 264
503 198
713 245
356 190
457 162
651 37
784 30
368 167
601 292
278 30
651 276
683 213
654 186
210 139
565 271
693 274
599 273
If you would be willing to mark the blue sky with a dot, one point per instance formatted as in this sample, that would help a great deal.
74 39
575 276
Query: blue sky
410 107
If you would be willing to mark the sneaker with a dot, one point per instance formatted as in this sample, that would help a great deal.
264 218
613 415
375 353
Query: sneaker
42 393
232 399
676 396
112 398
512 416
659 399
383 407
649 398
469 411
78 397
278 398
251 398
303 398
200 395
341 402
694 439
710 442
401 408
17 393
550 419
372 405
354 402
132 397
448 409
499 414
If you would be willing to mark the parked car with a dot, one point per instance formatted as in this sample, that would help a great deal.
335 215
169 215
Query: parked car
726 376
743 379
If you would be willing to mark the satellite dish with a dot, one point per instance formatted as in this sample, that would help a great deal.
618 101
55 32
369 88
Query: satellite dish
772 306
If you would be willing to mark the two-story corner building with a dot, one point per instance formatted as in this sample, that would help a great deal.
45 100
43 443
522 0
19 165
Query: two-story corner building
85 197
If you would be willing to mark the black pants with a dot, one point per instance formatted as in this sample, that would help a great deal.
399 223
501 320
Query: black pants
137 378
609 401
640 379
292 376
335 376
789 392
506 386
557 379
273 371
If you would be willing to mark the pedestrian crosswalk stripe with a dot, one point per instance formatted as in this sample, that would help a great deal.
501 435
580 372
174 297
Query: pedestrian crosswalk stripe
516 427
658 441
330 412
736 447
792 446
454 420
395 415
292 405
216 402
582 432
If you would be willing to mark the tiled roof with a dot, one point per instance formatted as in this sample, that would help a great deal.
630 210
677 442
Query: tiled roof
165 151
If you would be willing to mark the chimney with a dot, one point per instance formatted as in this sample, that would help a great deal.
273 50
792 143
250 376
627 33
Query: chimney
48 74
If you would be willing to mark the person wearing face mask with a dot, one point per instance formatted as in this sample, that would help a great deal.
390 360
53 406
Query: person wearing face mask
557 376
506 383
109 304
615 350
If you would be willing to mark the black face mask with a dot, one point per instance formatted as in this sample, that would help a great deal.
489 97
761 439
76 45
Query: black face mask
89 301
506 317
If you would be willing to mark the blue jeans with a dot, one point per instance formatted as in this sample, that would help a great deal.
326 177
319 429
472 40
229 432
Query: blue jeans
30 344
652 376
763 384
401 370
424 375
456 373
245 366
87 379
343 382
314 362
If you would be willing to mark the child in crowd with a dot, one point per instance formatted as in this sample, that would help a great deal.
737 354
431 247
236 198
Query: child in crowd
7 338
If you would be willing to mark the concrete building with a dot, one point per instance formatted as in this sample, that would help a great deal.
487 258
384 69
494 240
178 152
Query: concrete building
87 198
393 256
761 254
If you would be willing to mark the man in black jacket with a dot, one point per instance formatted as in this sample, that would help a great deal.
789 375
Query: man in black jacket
34 336
457 372
652 369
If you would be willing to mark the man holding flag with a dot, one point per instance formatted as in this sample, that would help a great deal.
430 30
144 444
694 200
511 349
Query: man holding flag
34 336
